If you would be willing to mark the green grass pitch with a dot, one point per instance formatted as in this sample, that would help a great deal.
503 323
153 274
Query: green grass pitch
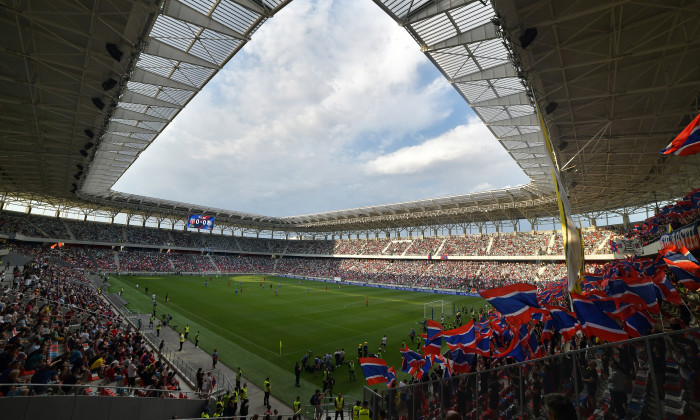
247 327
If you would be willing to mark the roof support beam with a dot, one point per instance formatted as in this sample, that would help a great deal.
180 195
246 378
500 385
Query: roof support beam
144 76
180 11
434 9
161 49
503 71
524 120
537 136
126 128
519 98
126 114
117 139
137 98
248 4
480 33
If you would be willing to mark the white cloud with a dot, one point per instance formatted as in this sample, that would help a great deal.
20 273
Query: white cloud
465 143
322 110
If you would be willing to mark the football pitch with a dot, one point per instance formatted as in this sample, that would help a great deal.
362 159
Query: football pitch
266 333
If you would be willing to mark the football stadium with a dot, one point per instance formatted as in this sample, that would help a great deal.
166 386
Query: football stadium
574 294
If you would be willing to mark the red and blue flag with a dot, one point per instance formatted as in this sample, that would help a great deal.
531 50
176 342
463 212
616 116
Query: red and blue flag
687 142
375 370
517 302
594 321
463 337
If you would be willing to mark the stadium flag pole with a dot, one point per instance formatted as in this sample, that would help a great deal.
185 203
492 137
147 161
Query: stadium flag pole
571 234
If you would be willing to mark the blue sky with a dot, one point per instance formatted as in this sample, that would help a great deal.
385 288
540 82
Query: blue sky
330 106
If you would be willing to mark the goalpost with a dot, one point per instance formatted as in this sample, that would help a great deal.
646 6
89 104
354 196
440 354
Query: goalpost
436 309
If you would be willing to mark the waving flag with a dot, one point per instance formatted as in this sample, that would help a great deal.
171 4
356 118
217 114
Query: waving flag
460 338
461 361
644 288
434 330
685 267
536 347
375 370
517 302
593 319
547 330
514 350
391 377
639 324
426 367
411 361
665 290
635 290
563 321
433 346
483 345
687 142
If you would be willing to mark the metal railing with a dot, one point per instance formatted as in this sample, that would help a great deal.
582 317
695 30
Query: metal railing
654 367
95 389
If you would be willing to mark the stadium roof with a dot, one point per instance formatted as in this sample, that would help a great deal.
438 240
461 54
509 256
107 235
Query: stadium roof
86 86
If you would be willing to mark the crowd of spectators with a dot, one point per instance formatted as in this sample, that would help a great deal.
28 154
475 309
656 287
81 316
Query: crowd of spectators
74 255
425 246
466 245
104 258
183 262
203 263
435 272
397 247
186 239
146 235
374 246
95 231
448 274
253 244
144 261
594 242
50 227
13 223
231 264
224 242
503 244
57 333
320 247
520 243
348 247
298 247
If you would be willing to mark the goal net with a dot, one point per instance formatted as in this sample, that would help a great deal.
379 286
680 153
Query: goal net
436 309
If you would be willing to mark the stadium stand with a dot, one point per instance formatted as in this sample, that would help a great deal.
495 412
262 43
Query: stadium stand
144 261
146 235
57 333
397 247
95 232
425 246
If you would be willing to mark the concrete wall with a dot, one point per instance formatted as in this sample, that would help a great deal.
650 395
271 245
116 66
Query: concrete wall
66 407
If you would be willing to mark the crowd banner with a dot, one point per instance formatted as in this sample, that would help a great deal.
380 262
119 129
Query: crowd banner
686 236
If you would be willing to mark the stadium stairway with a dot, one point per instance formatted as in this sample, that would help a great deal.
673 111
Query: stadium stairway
196 357
67 228
116 261
439 249
211 260
407 248
88 252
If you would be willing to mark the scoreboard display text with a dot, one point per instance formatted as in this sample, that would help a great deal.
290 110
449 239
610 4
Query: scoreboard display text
197 221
